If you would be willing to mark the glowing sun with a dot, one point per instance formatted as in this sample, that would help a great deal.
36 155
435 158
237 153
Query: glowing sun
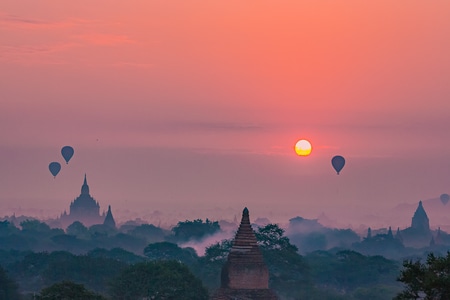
303 148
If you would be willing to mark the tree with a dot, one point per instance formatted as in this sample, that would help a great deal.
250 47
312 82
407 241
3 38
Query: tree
170 251
218 252
37 228
7 228
101 231
38 270
78 229
34 226
70 243
93 272
289 274
127 242
270 237
148 232
67 290
118 254
210 265
8 288
38 234
197 229
158 280
429 280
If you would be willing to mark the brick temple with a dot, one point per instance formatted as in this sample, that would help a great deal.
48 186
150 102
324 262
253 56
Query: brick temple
245 275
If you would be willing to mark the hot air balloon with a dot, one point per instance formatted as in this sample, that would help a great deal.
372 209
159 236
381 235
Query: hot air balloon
338 163
67 153
444 198
54 168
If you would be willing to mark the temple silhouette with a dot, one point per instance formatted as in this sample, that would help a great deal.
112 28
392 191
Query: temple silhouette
245 275
419 234
86 210
420 221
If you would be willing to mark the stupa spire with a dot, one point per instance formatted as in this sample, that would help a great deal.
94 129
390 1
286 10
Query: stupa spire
85 187
109 219
245 245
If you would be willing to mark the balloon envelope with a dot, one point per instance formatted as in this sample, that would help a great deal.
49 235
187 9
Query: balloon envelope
338 163
54 168
444 198
67 153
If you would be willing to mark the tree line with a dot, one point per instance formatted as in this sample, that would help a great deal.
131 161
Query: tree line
164 269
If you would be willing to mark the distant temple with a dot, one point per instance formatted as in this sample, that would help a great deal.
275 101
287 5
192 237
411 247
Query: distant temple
86 210
419 234
420 219
109 219
245 275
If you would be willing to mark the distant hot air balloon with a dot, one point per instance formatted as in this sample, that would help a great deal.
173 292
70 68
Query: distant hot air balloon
67 153
54 168
338 163
444 198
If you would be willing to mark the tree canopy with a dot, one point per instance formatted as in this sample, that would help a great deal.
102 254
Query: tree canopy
171 251
158 280
67 290
8 288
43 269
429 280
194 230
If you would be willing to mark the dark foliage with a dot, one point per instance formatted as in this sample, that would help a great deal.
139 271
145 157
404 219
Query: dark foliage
210 265
8 288
6 228
288 272
194 230
149 233
351 273
79 230
67 290
42 269
171 251
118 254
429 280
157 280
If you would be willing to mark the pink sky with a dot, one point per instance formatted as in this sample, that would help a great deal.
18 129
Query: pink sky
192 108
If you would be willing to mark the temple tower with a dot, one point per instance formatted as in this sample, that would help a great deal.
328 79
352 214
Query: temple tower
109 219
245 275
420 220
86 210
85 187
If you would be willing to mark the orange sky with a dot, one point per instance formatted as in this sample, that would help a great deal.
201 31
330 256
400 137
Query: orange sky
236 79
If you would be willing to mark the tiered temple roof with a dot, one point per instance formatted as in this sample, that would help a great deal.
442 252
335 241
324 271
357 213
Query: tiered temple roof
245 275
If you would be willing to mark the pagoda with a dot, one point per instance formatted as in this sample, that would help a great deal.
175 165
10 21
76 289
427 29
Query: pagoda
245 275
86 210
420 219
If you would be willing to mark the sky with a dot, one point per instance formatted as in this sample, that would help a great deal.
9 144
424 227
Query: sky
190 109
